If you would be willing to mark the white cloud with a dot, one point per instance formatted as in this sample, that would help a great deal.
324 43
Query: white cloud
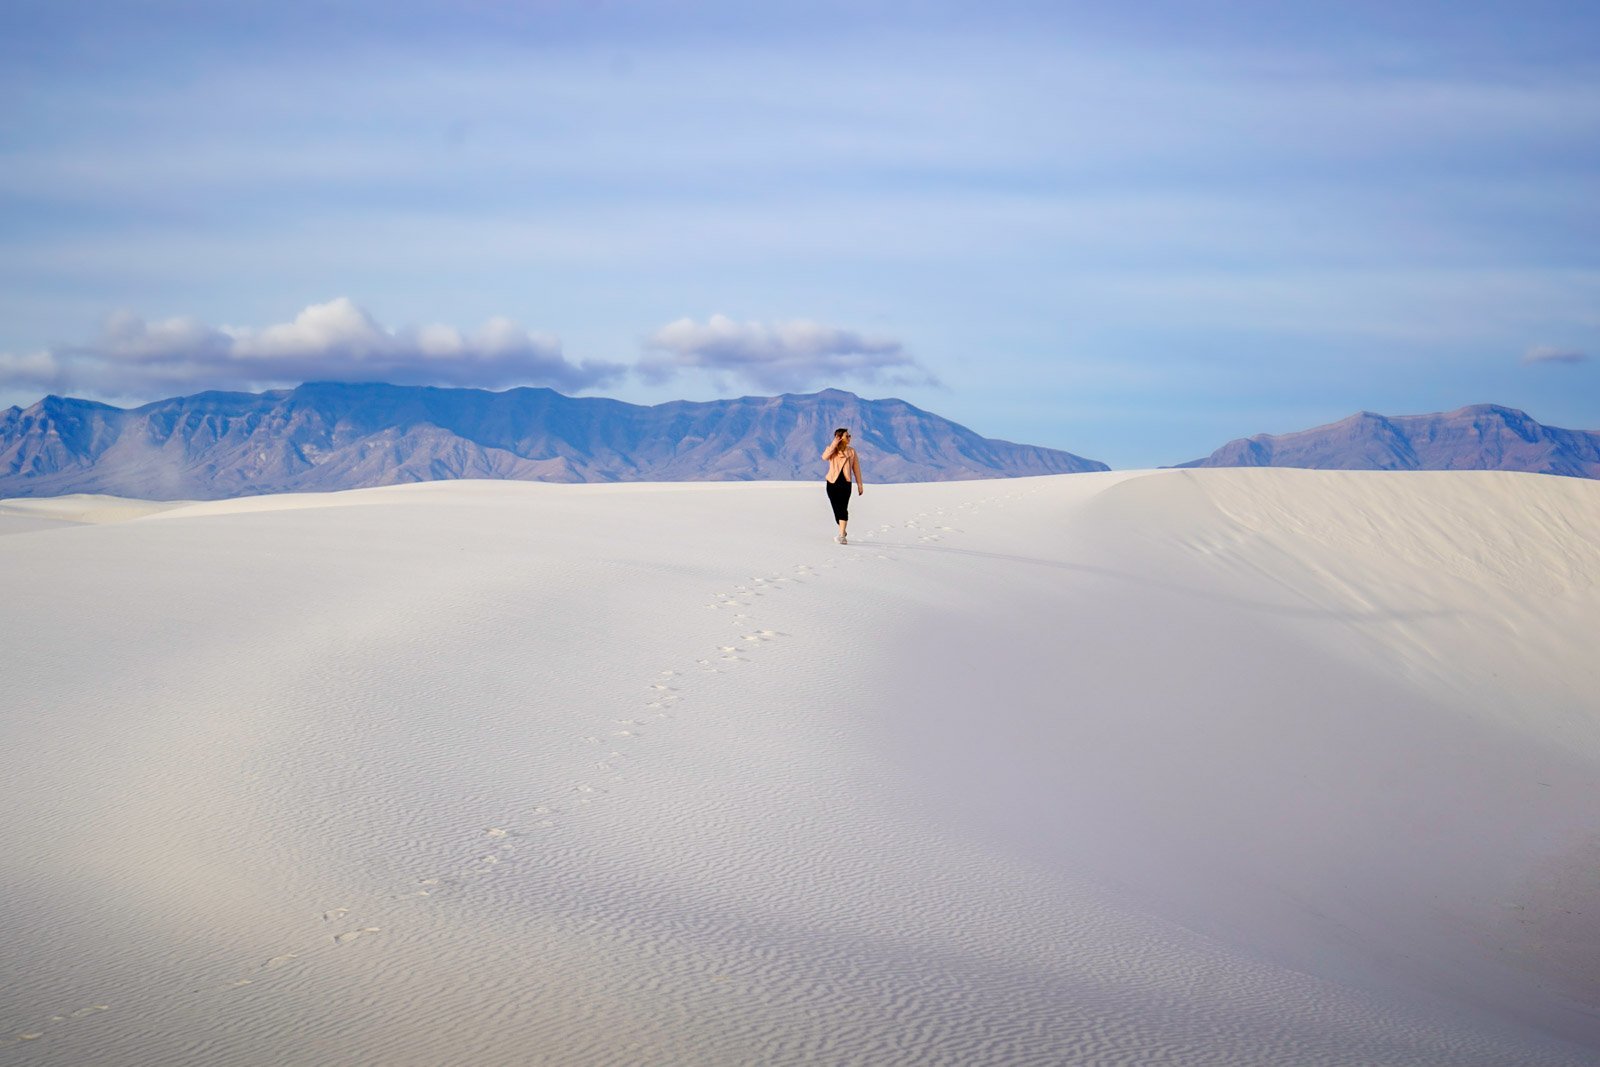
336 341
784 355
1551 354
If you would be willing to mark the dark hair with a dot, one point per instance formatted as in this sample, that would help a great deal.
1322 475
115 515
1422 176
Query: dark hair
841 431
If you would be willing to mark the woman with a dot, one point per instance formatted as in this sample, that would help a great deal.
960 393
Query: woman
844 467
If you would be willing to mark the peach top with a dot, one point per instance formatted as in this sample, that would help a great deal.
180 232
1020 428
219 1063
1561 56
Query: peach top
844 457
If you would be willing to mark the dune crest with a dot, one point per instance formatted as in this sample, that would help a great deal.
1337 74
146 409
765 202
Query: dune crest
1201 766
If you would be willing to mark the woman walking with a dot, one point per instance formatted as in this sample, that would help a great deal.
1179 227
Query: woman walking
844 467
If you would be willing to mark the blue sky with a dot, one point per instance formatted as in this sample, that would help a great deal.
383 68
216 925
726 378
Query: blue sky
1131 231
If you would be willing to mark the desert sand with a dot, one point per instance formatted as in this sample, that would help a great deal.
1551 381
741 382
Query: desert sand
1191 767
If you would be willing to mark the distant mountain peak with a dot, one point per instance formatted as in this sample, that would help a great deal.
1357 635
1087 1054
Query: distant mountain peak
1476 437
340 435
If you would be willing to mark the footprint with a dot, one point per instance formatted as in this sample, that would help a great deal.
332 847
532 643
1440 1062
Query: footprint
278 961
495 831
350 935
80 1013
336 913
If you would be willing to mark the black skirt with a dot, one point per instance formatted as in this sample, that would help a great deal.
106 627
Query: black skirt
839 497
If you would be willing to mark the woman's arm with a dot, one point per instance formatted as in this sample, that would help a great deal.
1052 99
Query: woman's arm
833 446
855 463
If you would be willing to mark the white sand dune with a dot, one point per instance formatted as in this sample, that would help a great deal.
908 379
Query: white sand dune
22 515
1189 767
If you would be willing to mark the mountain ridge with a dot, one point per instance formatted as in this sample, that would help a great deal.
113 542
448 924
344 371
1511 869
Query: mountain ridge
1475 437
323 436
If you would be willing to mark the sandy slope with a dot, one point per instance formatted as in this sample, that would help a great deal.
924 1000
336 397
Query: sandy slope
21 515
1232 766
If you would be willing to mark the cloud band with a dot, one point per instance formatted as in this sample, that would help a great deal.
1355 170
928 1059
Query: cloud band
784 355
334 341
1550 354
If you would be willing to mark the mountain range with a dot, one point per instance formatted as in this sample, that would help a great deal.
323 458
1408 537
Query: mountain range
1480 437
326 436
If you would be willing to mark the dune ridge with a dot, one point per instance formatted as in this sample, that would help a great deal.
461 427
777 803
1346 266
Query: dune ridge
1216 766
